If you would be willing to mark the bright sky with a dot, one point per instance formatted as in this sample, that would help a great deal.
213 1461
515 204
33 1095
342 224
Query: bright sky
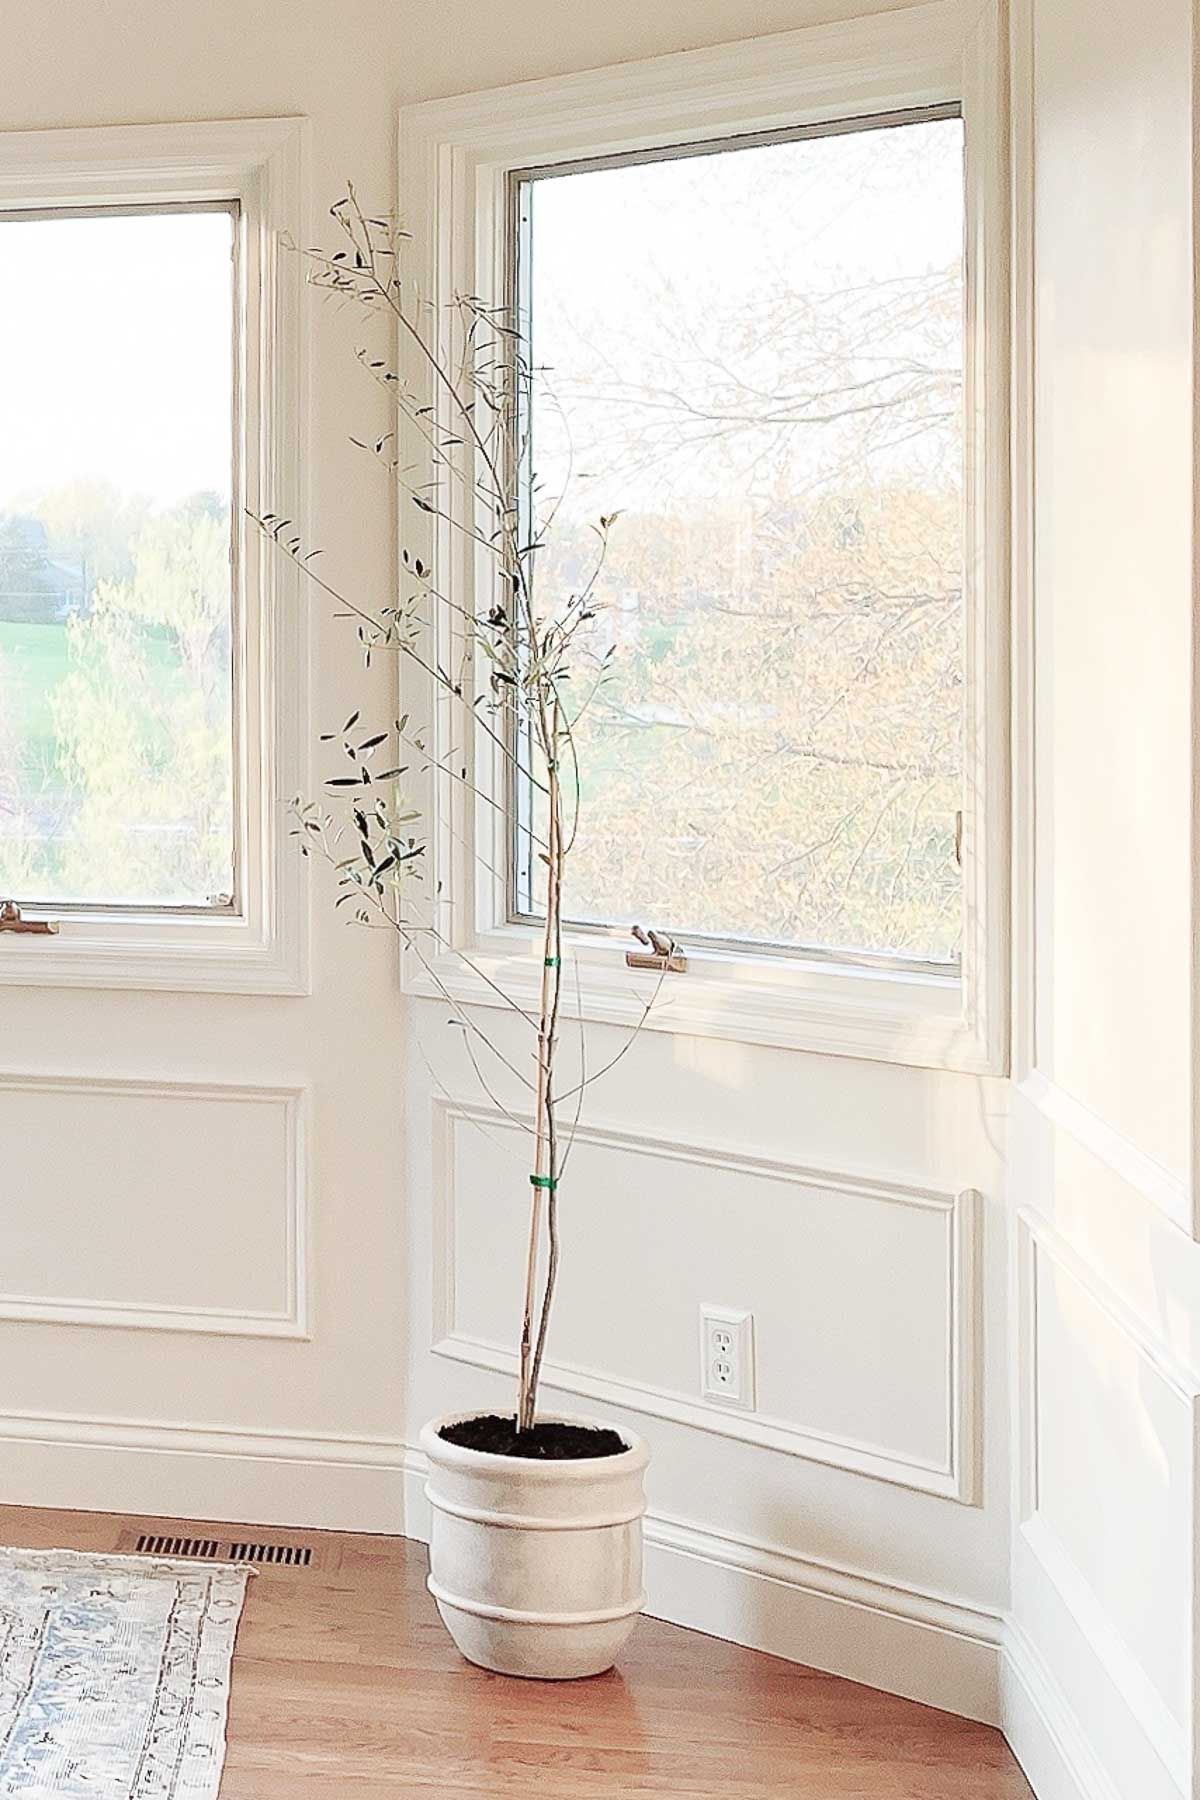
730 280
116 353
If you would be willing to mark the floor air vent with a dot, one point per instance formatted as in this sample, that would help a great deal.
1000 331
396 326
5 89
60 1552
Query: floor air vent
292 1556
296 1556
154 1545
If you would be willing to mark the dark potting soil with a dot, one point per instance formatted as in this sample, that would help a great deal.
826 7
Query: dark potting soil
548 1441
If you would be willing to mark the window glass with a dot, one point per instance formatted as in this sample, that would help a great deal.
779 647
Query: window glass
117 344
754 356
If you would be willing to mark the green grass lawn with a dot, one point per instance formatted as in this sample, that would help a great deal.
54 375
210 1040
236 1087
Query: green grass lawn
33 660
41 783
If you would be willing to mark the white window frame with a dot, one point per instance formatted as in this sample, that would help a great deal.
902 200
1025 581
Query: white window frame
456 156
261 164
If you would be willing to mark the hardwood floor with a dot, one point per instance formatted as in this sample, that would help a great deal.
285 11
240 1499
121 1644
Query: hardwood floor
346 1688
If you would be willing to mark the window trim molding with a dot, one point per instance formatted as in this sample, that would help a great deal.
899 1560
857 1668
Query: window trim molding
455 159
263 165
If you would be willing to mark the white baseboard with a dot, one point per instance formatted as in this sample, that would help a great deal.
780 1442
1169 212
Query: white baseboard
328 1482
961 1658
942 1652
845 1622
841 1621
1042 1731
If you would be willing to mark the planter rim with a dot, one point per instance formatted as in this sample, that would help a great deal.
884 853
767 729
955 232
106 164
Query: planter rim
573 1468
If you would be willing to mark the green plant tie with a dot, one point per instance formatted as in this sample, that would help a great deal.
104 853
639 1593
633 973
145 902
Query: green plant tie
552 962
543 1181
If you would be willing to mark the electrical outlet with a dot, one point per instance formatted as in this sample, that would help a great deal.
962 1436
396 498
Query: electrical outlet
727 1356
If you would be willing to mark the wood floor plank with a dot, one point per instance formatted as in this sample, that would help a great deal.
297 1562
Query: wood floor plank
346 1688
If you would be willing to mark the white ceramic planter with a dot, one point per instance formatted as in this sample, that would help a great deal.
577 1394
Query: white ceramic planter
536 1567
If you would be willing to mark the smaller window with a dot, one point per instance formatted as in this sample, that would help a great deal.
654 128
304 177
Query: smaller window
752 351
118 723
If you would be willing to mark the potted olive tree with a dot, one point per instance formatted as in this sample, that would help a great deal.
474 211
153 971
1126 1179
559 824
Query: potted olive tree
536 1545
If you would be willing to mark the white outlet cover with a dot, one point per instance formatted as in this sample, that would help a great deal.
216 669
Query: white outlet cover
727 1357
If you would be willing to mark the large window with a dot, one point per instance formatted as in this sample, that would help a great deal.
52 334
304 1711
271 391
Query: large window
117 578
764 288
752 352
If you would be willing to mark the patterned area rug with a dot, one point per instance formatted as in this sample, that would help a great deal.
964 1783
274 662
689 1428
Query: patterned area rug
114 1675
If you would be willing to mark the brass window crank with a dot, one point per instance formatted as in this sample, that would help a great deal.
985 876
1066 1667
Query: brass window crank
12 921
660 953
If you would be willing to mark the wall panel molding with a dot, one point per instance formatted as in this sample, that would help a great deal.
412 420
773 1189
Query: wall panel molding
1166 1735
1035 1233
957 1478
98 1310
1120 1154
1150 1719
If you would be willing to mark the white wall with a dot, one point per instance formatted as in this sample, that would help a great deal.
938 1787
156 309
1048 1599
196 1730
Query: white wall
1106 1266
871 1352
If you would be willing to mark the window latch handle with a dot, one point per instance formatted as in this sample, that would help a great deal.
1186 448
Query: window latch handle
12 920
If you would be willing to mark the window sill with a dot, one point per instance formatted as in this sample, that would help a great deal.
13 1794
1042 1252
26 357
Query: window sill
830 1009
173 954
